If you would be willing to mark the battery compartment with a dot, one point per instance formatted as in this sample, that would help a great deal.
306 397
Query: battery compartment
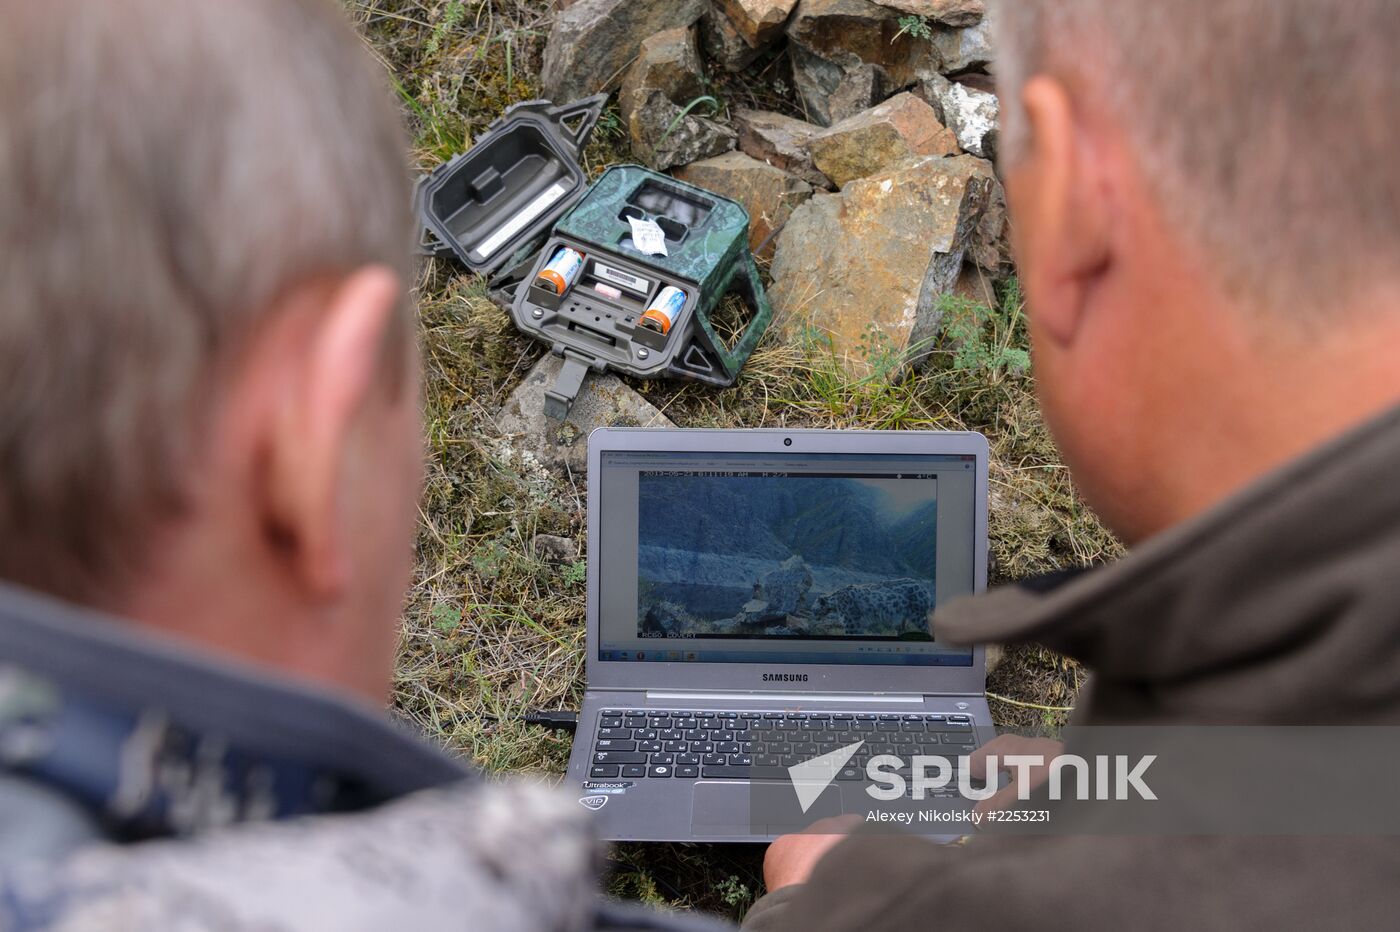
601 324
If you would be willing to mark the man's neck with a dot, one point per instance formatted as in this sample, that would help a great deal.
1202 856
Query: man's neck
1275 398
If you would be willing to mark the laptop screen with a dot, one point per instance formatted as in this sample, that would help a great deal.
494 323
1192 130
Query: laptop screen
782 558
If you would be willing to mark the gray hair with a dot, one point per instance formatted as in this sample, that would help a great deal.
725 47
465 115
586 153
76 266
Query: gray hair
168 170
1269 128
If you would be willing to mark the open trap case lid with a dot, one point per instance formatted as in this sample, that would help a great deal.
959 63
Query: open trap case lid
596 324
489 206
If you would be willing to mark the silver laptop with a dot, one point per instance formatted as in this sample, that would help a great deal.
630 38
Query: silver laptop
761 597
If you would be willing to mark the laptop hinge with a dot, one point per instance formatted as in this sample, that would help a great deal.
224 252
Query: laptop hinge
786 697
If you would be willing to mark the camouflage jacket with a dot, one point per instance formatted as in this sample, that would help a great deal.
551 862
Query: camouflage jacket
145 786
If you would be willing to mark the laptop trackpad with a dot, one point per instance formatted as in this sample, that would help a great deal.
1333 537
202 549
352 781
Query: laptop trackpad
721 809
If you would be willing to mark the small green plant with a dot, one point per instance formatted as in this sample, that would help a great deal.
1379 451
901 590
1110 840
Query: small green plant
451 17
446 618
879 351
914 25
685 111
575 573
507 39
986 338
609 124
490 560
734 891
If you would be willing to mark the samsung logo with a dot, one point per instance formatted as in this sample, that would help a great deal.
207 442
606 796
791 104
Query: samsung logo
784 677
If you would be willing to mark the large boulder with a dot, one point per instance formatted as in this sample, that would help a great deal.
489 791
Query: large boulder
767 192
592 42
897 130
865 269
950 12
846 54
534 441
780 140
758 21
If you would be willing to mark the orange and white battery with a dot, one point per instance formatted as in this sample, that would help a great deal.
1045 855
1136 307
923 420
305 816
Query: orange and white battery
561 271
664 310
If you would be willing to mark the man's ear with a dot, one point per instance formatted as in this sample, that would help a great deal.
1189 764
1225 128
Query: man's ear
1061 204
342 358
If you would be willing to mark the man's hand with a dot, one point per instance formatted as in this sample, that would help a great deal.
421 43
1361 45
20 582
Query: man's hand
791 858
1010 746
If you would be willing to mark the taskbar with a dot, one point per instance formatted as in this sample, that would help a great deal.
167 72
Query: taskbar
950 658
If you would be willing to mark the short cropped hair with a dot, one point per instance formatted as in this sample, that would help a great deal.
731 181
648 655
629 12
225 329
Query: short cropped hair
168 170
1270 129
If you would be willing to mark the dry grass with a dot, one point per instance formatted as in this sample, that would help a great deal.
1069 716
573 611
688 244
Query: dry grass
492 629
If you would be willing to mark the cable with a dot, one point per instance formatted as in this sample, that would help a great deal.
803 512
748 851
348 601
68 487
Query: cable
553 719
1031 705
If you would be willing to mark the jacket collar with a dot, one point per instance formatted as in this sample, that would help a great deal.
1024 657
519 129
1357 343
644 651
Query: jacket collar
1276 602
157 739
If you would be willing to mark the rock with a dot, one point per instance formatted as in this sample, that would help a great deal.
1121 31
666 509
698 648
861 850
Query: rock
976 285
949 12
784 590
991 245
724 46
899 129
832 43
979 81
970 113
859 89
663 80
667 64
868 265
666 619
562 448
767 192
554 549
963 49
758 21
592 42
780 141
680 140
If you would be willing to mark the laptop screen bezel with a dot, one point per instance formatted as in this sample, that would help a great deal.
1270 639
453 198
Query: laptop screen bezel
805 678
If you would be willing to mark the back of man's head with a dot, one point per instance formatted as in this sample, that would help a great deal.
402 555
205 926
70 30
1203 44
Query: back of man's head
170 171
1267 127
1207 213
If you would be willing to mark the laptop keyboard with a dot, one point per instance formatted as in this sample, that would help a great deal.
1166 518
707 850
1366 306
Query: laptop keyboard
685 744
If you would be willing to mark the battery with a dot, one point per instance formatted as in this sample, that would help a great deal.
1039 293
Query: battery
664 310
561 271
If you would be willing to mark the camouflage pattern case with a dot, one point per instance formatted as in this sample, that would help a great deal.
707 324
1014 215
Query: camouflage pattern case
596 323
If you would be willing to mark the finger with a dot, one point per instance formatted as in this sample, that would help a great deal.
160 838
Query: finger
1004 798
791 859
1000 747
835 825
